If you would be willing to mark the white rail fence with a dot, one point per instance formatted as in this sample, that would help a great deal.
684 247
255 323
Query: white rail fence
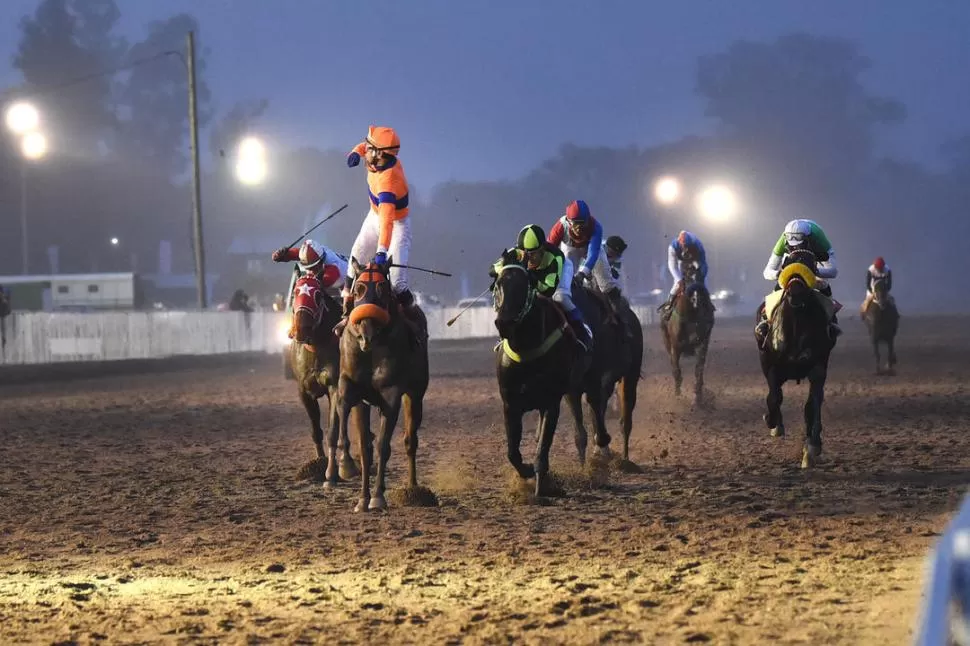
42 337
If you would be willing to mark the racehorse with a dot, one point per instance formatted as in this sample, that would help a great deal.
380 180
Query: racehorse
687 328
383 363
617 359
882 319
536 364
315 357
797 346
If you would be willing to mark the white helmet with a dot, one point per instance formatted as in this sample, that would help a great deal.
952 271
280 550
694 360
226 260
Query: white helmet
796 231
312 255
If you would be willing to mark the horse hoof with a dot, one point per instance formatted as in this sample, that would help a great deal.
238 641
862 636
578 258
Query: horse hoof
602 452
810 456
348 470
377 503
329 484
778 431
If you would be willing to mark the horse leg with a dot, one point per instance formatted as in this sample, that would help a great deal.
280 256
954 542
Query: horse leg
813 418
775 397
699 370
413 412
892 353
675 366
548 419
513 436
348 470
627 394
875 351
312 407
575 402
389 415
597 398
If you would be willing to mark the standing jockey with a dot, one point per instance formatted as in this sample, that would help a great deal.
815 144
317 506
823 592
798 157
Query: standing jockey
326 265
685 248
877 270
580 238
386 231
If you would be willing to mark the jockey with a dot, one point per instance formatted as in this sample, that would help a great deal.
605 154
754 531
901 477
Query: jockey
614 248
386 231
326 265
580 238
685 248
877 270
553 273
803 234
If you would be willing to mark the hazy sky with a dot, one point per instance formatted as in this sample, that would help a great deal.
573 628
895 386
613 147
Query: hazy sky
484 90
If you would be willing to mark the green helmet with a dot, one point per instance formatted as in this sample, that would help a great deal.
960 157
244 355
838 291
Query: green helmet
530 238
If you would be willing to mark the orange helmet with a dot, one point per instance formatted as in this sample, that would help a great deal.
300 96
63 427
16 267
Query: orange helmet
383 139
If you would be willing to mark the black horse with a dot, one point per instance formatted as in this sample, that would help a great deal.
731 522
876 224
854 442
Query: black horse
616 360
797 347
535 366
882 319
687 328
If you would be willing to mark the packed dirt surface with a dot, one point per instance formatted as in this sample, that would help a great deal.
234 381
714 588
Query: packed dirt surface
166 507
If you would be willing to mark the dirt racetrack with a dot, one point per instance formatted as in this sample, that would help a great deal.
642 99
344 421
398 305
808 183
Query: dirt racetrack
165 507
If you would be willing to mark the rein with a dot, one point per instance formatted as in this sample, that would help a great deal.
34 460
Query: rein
548 342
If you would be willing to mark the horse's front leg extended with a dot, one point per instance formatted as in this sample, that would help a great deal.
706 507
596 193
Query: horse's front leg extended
699 369
513 437
813 417
548 419
348 470
675 368
774 400
597 398
389 415
312 407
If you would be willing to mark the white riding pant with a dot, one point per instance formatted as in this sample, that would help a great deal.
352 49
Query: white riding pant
564 293
602 277
365 247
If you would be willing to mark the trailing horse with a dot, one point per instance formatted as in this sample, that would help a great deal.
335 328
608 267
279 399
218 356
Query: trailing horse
315 358
882 319
383 363
687 328
797 347
617 359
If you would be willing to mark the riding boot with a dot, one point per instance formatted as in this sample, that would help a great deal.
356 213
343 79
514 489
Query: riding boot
761 329
405 301
584 336
348 305
619 304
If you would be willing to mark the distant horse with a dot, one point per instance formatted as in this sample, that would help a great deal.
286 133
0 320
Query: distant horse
315 358
882 319
536 365
383 363
687 328
797 347
617 359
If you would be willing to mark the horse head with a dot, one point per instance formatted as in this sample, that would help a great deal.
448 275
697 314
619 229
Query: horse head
309 308
693 296
373 302
514 294
798 277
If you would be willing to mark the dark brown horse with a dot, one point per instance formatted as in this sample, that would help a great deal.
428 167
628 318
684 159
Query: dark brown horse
383 363
315 358
687 328
797 347
536 365
617 358
882 319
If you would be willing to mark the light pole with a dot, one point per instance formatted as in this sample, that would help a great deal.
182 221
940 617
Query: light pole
23 119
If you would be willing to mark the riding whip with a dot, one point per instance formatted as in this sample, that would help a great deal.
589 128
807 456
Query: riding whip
292 244
467 307
429 271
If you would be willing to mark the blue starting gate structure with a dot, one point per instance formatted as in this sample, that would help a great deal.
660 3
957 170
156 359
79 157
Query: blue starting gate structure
945 616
